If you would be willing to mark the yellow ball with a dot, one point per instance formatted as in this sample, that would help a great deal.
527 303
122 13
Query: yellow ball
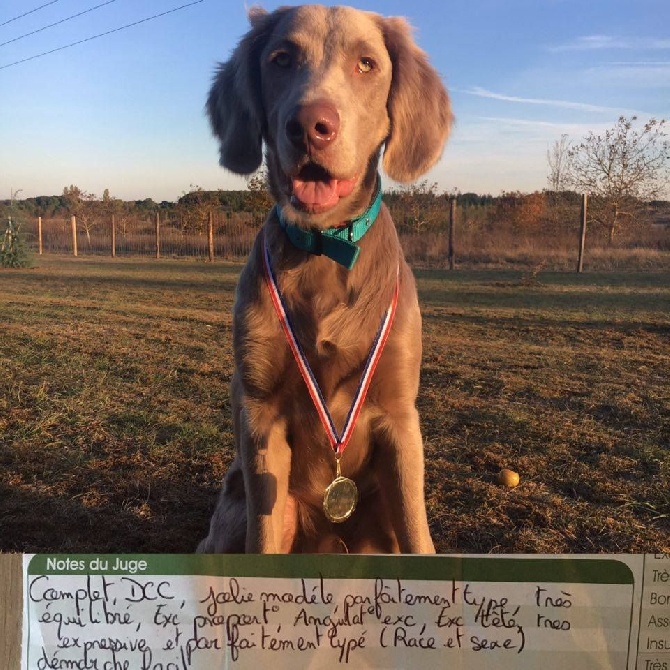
508 478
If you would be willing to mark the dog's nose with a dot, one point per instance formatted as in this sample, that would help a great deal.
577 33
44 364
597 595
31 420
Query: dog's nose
313 126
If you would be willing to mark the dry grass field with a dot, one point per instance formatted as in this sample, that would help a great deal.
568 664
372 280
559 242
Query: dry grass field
115 425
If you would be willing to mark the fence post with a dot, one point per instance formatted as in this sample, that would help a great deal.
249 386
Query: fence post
582 237
74 235
452 233
158 234
210 235
113 237
39 234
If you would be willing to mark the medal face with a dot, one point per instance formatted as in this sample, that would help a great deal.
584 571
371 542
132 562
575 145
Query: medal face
339 500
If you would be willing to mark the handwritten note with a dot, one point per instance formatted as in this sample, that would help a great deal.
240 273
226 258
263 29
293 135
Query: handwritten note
201 612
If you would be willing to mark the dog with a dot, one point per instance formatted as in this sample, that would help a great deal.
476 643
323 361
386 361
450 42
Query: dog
323 91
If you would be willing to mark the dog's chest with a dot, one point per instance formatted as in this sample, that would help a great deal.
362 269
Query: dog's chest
334 333
334 322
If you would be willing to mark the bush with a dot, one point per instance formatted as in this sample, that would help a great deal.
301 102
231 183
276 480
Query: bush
13 251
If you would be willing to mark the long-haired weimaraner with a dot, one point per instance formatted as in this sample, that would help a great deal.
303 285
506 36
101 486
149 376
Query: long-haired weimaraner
327 328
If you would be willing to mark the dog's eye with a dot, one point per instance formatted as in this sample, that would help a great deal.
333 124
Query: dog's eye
365 65
281 59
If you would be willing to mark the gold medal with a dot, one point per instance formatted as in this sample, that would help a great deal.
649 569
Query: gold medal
340 498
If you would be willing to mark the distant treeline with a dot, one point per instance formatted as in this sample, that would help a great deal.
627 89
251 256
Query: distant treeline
52 206
58 206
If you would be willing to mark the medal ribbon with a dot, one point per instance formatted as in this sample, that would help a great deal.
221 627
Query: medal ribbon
337 441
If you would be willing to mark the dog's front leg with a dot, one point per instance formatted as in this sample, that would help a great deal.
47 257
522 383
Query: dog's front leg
266 463
400 471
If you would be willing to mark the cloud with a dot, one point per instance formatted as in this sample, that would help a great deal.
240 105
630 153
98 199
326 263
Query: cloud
530 124
563 104
651 75
593 42
640 64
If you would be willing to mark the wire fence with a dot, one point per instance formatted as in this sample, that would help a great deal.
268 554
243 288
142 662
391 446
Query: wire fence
465 238
226 235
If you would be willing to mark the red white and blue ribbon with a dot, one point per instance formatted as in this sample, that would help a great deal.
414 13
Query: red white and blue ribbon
338 441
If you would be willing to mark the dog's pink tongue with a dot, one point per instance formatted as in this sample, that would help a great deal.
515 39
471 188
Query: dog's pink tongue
322 193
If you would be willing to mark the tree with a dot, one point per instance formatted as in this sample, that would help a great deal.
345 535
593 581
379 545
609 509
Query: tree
419 207
260 200
194 208
558 158
622 169
522 212
82 205
111 206
13 252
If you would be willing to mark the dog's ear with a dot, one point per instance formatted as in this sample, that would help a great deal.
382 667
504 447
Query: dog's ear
234 104
418 106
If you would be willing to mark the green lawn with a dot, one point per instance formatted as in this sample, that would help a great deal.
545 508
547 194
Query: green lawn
115 425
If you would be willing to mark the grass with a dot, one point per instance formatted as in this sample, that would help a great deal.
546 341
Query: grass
115 428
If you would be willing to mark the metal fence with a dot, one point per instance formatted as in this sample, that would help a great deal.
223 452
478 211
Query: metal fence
464 237
226 235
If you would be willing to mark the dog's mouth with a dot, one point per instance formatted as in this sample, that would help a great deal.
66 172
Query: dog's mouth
315 190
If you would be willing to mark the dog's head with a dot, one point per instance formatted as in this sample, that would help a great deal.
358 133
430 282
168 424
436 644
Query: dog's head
326 89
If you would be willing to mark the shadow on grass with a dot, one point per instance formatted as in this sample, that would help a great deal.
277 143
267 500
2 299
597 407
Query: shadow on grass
33 522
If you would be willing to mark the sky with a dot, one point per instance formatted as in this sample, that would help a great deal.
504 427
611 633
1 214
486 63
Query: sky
125 111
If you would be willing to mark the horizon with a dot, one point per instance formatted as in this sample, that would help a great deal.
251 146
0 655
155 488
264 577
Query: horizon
664 200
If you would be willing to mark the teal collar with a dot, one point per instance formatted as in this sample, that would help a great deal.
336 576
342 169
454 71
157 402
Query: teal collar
335 243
